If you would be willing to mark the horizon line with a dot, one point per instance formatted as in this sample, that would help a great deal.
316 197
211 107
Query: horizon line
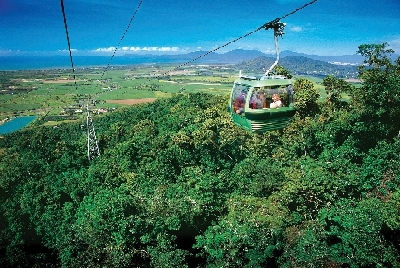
149 52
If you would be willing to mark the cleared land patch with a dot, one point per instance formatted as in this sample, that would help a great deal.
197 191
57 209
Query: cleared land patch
60 81
132 101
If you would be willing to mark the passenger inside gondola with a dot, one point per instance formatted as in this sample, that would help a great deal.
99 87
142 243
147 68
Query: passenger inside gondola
261 103
239 103
257 100
276 98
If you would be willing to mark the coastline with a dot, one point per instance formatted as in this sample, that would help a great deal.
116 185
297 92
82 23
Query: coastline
24 63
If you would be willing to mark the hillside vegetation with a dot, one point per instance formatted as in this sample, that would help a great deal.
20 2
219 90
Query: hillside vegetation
179 185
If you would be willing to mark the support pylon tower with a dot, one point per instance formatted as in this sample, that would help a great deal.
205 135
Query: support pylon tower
92 144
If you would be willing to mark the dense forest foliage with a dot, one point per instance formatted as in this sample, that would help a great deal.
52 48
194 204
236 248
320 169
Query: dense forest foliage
179 185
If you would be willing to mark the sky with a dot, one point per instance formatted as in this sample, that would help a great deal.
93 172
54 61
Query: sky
96 27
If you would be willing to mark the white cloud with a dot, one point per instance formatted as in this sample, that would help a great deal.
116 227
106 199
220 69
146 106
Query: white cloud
269 51
66 50
109 49
395 45
296 29
139 49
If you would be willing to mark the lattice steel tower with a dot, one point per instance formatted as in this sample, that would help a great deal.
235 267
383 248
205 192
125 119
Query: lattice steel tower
92 144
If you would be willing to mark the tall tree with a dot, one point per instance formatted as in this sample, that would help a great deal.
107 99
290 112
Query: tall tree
306 97
378 100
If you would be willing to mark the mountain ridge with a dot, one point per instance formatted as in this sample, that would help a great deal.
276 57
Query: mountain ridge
258 62
238 55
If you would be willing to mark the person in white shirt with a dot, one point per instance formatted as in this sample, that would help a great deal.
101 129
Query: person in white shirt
276 101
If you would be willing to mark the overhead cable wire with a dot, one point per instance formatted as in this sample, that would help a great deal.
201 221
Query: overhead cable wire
300 8
93 150
264 26
69 43
115 50
123 36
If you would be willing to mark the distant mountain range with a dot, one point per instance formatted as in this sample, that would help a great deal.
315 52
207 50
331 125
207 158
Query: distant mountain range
258 62
239 55
255 61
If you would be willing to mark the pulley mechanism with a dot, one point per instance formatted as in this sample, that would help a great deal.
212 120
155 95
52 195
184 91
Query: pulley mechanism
278 27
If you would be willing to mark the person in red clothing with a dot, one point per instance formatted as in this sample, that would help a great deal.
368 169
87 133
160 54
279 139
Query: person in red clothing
239 103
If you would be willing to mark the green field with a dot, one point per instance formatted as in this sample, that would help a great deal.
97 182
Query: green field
55 92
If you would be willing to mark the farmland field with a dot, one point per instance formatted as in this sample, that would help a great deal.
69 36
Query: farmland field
55 94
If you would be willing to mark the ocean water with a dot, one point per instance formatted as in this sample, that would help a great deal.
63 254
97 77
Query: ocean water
16 124
63 62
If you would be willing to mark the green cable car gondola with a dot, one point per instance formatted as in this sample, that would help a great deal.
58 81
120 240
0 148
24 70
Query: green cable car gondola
263 103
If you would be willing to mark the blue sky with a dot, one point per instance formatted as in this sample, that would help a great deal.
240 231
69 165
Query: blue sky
327 27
